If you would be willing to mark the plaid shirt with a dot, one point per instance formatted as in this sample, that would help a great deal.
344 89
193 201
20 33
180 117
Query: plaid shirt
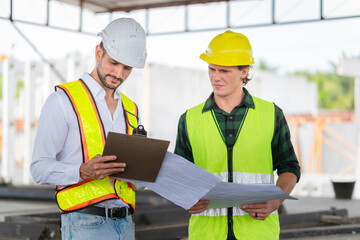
284 158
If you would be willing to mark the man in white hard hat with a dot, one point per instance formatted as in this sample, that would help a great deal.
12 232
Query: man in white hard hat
73 126
239 138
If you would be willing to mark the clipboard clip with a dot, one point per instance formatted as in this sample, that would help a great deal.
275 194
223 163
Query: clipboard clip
140 131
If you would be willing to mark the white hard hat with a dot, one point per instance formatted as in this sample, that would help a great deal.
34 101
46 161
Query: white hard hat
124 40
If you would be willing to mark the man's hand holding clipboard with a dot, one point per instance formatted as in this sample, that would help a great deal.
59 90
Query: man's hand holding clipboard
143 156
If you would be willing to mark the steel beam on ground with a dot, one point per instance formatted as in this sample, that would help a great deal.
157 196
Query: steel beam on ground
27 192
309 219
320 231
30 230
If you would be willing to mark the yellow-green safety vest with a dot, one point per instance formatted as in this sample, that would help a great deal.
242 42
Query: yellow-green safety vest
251 163
92 134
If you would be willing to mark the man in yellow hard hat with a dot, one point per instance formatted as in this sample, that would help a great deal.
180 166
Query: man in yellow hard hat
70 139
241 139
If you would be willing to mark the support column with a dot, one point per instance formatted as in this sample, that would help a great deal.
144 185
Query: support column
29 119
48 86
351 67
357 118
8 95
71 66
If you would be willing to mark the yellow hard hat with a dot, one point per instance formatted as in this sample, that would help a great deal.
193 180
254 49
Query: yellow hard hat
229 49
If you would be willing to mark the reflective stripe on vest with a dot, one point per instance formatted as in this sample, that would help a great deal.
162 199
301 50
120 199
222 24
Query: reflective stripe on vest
252 163
130 112
238 177
92 134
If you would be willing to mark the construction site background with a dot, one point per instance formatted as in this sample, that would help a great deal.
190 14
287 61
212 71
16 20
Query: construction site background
325 141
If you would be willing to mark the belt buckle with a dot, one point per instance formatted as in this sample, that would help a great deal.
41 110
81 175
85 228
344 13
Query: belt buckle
117 213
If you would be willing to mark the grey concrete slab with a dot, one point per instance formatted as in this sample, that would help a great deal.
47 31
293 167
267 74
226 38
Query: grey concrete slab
10 207
311 204
330 237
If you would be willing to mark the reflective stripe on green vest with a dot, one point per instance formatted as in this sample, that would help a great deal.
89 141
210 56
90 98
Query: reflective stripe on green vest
252 163
91 191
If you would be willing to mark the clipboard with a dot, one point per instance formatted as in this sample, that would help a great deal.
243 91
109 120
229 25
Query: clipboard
143 156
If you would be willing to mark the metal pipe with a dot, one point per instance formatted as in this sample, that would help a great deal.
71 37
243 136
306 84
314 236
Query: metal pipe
47 13
321 9
186 18
273 12
228 14
147 22
81 15
11 10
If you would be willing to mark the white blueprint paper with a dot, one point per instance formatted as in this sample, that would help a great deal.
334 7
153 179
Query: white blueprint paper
226 194
184 183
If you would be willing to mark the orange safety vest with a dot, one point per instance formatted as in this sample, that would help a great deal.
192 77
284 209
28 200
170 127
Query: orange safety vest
92 191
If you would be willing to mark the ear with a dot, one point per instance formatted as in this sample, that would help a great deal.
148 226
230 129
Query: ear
98 53
245 72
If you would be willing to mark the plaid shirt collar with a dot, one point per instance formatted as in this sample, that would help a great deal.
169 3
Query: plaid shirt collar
247 101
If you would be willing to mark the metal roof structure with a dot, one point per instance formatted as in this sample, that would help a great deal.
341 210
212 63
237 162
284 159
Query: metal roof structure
114 6
272 9
102 6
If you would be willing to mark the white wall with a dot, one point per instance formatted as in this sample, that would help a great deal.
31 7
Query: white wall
167 92
293 94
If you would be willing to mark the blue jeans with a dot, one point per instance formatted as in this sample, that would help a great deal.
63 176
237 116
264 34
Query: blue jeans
81 226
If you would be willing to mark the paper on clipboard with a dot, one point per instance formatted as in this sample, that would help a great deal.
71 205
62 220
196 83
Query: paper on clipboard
143 156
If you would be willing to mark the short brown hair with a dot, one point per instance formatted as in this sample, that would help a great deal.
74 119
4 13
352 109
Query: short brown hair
247 78
102 47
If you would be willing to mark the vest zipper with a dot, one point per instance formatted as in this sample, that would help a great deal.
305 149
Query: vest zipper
231 235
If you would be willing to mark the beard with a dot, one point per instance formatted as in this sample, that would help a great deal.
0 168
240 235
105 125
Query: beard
103 79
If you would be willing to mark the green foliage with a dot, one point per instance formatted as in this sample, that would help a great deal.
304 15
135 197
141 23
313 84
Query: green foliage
262 65
19 86
335 92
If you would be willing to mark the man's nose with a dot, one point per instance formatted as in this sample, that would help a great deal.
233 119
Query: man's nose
215 75
119 71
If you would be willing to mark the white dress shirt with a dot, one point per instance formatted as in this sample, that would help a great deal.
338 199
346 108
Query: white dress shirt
57 152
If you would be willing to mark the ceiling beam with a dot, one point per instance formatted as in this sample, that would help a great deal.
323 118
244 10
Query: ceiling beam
162 5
